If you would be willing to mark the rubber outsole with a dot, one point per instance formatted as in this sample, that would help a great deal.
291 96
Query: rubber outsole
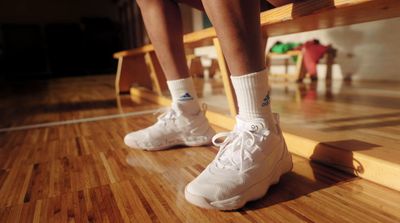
182 142
178 144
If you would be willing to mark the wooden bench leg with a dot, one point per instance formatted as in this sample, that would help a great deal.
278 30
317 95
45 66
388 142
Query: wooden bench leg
195 67
229 92
330 59
300 67
213 68
131 70
156 73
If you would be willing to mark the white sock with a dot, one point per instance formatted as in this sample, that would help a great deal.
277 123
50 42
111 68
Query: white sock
184 95
252 93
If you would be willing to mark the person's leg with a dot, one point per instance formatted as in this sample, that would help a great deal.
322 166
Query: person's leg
253 155
163 23
185 123
237 24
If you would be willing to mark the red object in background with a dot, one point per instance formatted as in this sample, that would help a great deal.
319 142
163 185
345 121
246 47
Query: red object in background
313 51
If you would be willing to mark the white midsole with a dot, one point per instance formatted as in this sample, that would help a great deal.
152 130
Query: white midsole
183 143
190 141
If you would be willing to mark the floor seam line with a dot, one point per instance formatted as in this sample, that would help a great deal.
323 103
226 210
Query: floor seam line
76 121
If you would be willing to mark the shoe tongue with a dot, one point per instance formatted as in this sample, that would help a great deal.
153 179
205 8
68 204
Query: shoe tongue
232 154
253 125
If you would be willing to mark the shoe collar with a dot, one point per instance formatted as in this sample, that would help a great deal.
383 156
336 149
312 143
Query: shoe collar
254 125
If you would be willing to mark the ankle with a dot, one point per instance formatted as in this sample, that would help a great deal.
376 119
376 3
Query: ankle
187 108
252 93
184 95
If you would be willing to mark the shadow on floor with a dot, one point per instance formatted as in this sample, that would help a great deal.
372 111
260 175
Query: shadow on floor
378 124
317 174
357 118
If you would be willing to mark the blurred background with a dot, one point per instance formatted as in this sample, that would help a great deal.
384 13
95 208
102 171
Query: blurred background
48 39
44 38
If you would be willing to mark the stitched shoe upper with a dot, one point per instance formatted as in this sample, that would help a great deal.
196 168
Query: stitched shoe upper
246 155
172 128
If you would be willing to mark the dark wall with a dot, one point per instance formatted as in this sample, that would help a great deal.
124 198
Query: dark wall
47 11
46 38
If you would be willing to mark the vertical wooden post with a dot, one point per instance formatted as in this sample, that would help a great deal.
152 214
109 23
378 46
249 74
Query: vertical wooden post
299 65
213 68
223 67
286 64
131 70
330 59
195 67
156 73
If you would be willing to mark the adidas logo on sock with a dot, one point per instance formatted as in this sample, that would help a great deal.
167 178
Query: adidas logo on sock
266 101
185 97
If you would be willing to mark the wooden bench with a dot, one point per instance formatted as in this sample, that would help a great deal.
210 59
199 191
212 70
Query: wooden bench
140 66
300 71
286 57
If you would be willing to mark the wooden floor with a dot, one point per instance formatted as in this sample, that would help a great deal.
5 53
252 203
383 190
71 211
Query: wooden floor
62 99
82 172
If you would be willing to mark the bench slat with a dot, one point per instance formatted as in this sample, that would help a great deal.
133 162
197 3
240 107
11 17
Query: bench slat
317 14
300 17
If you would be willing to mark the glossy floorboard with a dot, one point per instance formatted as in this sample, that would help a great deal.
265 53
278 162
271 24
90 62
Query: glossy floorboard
83 173
62 99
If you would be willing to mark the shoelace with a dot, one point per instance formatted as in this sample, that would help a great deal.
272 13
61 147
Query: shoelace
165 115
170 113
246 142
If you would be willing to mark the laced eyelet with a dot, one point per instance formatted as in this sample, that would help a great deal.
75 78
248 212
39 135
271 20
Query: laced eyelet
244 140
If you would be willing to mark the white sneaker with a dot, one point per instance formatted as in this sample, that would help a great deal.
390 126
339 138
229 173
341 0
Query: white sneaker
172 128
250 160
